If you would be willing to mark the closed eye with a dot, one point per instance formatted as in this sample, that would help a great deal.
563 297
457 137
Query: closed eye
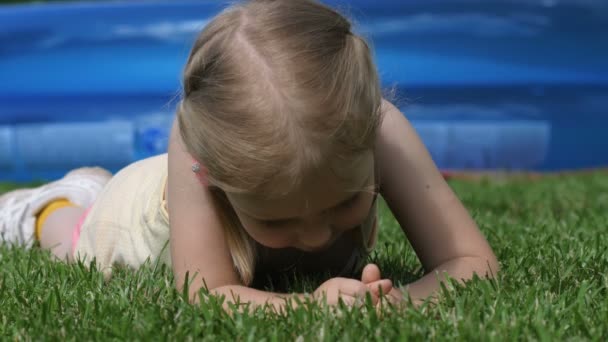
345 205
348 203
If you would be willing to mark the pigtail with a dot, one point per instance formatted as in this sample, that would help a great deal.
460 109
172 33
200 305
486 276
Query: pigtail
242 247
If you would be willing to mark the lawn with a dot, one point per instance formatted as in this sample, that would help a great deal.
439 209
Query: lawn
549 235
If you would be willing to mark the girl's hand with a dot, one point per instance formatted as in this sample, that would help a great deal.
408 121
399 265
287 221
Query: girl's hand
395 296
371 276
351 291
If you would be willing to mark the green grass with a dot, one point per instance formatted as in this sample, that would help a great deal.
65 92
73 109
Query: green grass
549 235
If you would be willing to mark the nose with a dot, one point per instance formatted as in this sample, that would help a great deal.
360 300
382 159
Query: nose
315 234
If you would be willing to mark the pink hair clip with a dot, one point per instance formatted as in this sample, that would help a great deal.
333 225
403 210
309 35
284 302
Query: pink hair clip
200 172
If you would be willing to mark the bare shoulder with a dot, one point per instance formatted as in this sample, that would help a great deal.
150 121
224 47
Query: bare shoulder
196 234
183 188
430 214
400 152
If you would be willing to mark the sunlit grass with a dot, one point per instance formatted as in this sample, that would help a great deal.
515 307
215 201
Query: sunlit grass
550 236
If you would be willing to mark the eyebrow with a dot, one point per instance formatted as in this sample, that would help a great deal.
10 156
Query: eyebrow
287 219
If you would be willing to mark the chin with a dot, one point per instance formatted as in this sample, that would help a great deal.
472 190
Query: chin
313 250
273 245
318 249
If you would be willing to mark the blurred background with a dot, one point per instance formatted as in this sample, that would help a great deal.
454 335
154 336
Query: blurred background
489 85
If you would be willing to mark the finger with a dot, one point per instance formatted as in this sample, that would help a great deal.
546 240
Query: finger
348 300
370 273
352 287
383 286
356 289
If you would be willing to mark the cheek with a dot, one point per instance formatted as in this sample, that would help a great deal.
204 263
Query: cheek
348 219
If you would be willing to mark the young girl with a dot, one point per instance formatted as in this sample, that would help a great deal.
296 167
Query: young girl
280 146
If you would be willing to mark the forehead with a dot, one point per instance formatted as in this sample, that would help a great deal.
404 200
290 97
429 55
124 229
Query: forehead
323 189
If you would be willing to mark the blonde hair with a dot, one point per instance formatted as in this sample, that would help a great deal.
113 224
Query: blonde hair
272 90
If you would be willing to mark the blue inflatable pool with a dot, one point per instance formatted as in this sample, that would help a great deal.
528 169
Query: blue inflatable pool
488 84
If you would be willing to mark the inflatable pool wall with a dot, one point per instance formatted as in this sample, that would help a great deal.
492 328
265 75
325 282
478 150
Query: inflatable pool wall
488 85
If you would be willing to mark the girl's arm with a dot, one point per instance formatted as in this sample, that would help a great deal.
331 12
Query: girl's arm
196 239
198 245
441 231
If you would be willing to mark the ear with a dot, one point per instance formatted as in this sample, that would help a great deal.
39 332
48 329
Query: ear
201 172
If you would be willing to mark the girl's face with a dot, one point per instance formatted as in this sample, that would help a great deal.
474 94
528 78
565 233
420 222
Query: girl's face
313 217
